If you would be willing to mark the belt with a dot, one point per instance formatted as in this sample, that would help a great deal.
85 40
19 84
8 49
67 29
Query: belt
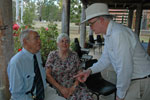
148 76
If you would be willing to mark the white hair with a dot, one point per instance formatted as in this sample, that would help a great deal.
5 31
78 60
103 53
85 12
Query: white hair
62 35
24 35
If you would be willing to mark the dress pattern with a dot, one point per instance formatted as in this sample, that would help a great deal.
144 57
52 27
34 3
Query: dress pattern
63 72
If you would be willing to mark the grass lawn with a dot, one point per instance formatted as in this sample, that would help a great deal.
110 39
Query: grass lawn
145 38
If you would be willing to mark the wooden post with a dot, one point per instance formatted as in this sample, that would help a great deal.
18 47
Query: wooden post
130 17
65 16
122 19
138 18
6 46
83 28
148 48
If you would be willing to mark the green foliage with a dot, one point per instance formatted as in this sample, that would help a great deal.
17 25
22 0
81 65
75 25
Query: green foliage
50 12
75 11
60 3
17 45
29 13
48 39
72 46
14 10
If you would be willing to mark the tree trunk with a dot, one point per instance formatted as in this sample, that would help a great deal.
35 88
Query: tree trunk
21 11
148 48
66 16
17 11
6 46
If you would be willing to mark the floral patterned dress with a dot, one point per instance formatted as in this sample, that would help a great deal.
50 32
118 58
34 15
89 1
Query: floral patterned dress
63 72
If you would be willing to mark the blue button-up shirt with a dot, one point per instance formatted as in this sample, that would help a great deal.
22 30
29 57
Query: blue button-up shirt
21 74
123 50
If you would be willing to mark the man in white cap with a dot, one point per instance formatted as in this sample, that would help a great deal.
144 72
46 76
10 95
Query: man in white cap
123 50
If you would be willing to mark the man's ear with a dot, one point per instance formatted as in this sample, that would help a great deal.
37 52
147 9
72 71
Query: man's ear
24 41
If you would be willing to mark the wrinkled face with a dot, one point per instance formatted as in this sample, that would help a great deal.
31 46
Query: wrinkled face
33 42
63 44
96 25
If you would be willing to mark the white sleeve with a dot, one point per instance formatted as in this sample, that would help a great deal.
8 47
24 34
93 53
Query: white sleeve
102 63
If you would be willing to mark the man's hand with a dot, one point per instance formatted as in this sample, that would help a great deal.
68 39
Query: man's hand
82 76
117 98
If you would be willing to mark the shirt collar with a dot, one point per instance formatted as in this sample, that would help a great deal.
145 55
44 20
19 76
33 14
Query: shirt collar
109 29
29 54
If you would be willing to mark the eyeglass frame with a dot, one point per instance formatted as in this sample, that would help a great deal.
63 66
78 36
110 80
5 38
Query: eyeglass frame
91 23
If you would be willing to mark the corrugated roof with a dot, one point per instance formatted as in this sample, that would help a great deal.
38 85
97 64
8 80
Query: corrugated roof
121 4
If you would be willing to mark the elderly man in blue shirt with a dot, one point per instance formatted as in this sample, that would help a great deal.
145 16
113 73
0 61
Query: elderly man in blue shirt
26 73
123 50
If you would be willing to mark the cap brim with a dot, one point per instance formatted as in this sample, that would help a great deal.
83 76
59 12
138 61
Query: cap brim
84 21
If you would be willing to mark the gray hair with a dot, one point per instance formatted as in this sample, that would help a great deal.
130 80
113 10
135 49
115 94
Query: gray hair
24 35
62 35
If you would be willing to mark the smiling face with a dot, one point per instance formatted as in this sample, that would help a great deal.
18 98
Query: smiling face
32 43
63 44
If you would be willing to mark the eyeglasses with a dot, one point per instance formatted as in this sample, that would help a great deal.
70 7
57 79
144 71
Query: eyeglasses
64 41
91 23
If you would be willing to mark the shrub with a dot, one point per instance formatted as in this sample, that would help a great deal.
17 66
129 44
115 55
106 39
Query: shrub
48 40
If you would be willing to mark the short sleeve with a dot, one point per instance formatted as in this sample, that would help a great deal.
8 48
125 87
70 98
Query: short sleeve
50 59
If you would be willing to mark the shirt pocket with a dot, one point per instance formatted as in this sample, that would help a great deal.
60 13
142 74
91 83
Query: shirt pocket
29 78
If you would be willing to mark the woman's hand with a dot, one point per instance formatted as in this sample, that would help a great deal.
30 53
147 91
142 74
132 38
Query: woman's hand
72 89
65 92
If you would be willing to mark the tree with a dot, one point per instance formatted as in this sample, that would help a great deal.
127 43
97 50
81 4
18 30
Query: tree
75 11
17 11
29 13
14 10
50 11
39 9
48 37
